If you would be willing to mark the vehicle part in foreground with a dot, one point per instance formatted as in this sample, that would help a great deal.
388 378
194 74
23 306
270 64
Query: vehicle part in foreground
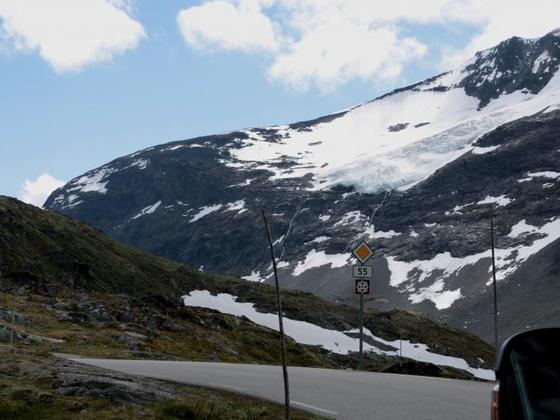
528 374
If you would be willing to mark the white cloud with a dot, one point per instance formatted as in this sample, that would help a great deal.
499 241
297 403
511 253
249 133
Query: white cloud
36 192
425 11
127 5
328 42
503 19
354 51
70 34
225 25
324 42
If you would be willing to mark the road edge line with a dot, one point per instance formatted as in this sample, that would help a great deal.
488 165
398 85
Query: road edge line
312 407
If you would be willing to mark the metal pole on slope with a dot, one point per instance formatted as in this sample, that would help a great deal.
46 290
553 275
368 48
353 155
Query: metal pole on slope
494 278
361 363
280 320
13 318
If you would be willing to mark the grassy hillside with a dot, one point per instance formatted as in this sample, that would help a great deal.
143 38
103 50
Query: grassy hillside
49 252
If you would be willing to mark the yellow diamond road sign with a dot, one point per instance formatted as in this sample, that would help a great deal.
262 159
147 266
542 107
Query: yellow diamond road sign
363 252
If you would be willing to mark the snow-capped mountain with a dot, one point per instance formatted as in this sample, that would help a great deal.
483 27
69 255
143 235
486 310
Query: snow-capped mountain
412 172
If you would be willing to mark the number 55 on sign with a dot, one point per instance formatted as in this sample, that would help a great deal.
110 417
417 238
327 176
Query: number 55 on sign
362 271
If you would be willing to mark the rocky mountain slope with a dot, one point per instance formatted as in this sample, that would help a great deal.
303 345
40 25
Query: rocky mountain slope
58 283
412 172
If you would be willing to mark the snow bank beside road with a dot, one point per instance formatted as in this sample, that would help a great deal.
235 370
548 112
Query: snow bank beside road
335 341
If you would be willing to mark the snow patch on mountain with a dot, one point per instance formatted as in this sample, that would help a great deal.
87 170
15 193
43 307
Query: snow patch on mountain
319 258
302 332
237 206
139 163
484 150
241 184
410 276
279 240
544 174
205 211
69 201
255 276
500 201
92 181
458 209
442 265
172 148
338 342
509 260
543 58
521 228
147 210
443 299
415 273
350 218
373 234
319 239
552 108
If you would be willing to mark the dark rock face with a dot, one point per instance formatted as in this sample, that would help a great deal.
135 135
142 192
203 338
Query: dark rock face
515 65
397 127
411 367
194 202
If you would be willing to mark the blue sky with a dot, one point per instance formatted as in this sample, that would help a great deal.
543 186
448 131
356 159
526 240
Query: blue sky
85 82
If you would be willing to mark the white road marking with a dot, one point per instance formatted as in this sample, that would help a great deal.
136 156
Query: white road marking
312 407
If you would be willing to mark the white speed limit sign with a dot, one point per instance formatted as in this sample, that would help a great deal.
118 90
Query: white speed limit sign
362 271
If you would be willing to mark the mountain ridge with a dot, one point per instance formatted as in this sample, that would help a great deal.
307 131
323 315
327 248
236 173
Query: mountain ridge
413 172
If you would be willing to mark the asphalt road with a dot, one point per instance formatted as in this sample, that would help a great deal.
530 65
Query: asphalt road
341 394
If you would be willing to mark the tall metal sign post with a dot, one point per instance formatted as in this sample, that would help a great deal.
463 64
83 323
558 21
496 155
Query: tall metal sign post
494 278
362 275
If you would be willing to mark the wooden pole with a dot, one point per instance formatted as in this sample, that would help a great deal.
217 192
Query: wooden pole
494 278
280 319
